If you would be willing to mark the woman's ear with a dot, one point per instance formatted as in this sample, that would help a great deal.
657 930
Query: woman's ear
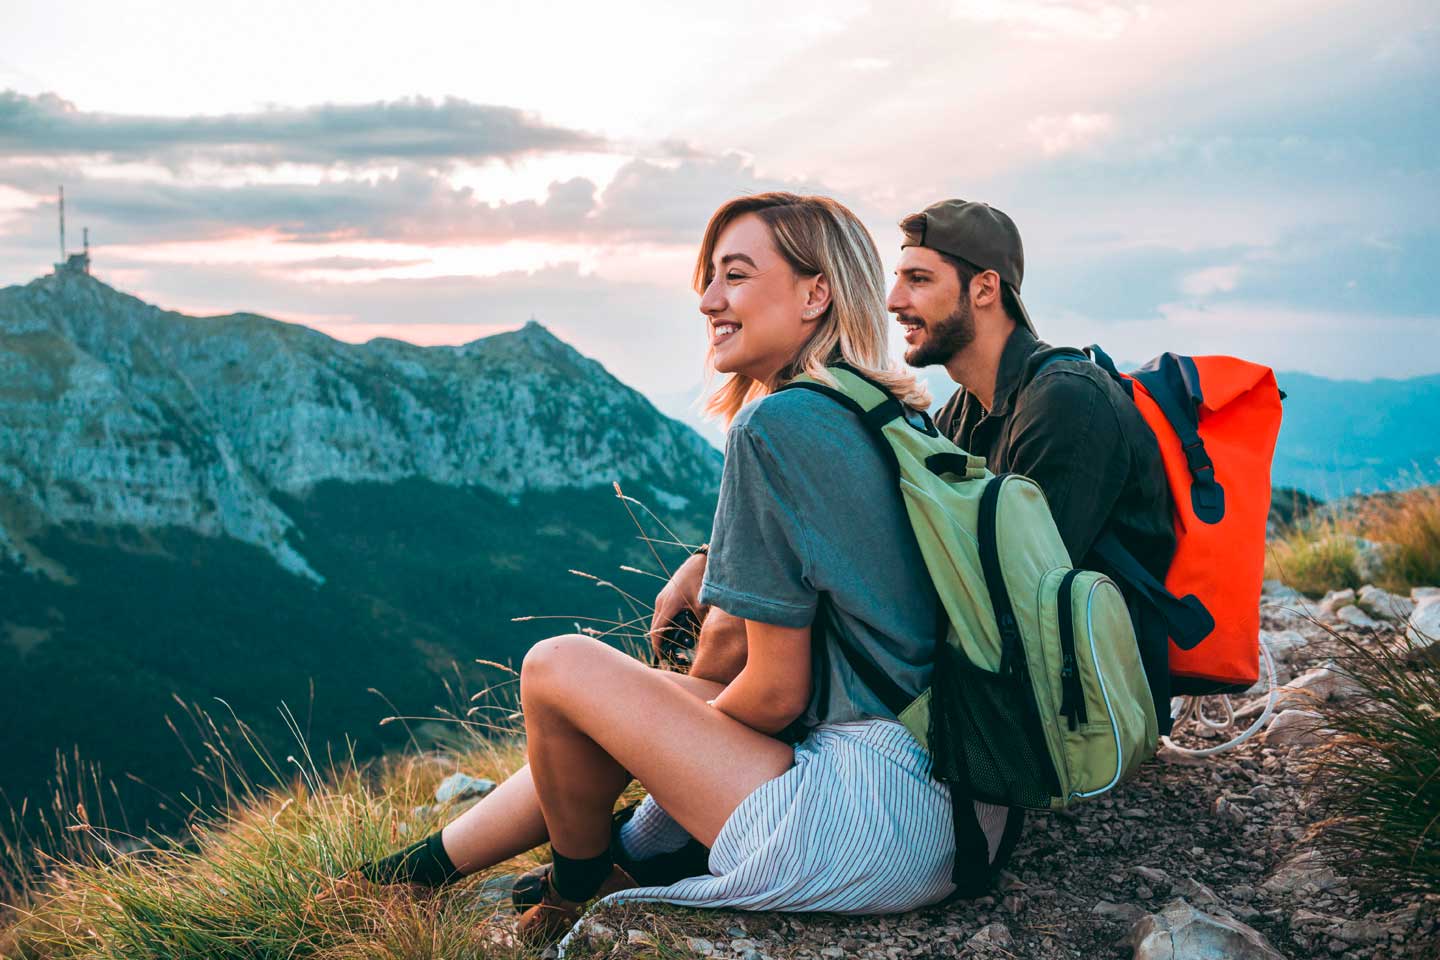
817 297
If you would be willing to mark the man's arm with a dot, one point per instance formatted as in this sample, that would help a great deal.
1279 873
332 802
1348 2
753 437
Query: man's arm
1067 438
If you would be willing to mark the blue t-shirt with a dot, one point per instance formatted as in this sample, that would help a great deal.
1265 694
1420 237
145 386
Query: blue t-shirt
809 505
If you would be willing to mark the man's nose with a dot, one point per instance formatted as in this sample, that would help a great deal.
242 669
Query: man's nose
895 300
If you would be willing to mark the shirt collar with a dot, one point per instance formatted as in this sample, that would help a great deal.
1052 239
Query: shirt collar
1018 349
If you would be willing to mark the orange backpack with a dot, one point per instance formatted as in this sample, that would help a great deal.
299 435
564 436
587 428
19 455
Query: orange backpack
1216 420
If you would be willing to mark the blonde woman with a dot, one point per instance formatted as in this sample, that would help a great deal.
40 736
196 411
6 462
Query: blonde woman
808 792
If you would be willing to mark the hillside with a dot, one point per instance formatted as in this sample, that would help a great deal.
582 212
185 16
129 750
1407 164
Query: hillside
235 507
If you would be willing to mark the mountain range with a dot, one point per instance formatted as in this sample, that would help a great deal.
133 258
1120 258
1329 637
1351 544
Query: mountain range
238 509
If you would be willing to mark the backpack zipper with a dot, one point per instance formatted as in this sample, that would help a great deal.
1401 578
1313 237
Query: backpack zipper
1072 701
1104 693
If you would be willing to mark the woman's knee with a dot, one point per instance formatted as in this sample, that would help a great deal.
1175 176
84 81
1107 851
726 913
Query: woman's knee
555 662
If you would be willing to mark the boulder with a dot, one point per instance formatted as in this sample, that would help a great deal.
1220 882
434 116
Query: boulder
1292 728
1273 591
1283 644
1356 617
462 786
1421 594
1335 600
1423 628
1325 682
1305 876
1180 932
1384 605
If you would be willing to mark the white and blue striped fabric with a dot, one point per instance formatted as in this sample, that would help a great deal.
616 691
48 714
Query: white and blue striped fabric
857 825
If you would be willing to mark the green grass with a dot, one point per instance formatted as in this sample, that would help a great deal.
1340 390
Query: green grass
1316 555
256 879
1379 782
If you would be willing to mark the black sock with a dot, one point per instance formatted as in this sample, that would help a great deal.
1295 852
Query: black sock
424 862
578 880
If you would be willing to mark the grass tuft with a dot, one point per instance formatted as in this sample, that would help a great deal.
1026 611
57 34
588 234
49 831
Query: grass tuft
1380 781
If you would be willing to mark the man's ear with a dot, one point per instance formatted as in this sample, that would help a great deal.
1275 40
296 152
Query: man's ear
817 298
985 289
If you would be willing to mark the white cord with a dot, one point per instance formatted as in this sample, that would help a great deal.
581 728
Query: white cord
1189 708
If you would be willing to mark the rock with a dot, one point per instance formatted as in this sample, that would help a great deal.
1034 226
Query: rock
1283 644
703 947
1384 605
1423 628
1325 682
1358 618
991 935
1370 558
1294 728
1276 592
1180 932
1153 875
1335 600
1304 876
1195 891
596 931
1421 594
461 786
639 938
1118 912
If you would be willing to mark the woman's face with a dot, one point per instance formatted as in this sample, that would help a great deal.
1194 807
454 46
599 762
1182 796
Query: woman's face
760 312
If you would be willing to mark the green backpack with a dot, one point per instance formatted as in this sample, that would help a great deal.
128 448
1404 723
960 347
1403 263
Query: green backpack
1039 699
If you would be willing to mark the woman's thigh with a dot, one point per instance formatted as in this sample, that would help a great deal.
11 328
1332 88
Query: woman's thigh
698 763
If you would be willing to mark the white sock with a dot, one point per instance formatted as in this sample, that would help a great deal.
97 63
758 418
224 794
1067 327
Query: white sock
651 831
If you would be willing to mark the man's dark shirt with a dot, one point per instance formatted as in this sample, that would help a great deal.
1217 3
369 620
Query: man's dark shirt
1074 431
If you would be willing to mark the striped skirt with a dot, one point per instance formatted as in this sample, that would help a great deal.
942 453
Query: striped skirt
857 825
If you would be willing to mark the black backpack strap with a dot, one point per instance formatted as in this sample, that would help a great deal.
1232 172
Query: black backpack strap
1173 382
1185 617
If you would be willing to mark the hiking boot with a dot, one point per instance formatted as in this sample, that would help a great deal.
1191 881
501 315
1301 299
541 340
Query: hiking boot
549 920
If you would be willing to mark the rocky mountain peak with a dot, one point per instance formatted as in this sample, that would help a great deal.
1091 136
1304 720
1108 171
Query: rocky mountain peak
114 411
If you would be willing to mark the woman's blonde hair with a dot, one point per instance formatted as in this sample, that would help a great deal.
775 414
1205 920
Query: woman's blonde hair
816 236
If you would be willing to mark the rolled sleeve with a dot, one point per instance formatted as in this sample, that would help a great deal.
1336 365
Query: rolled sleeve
758 567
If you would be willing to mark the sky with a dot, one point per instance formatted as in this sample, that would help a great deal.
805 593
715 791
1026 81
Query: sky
1258 179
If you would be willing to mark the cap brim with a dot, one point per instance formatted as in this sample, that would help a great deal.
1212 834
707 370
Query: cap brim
1024 314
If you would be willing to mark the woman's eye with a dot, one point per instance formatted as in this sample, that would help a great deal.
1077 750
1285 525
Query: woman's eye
734 276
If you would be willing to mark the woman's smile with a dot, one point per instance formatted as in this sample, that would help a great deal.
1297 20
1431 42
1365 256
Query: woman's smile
722 331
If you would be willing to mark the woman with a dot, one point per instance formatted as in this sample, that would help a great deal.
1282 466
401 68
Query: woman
809 526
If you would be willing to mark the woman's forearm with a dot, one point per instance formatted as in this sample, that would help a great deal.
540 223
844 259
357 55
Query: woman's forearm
760 705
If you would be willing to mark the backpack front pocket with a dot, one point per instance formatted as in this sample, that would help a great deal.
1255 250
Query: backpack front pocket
985 735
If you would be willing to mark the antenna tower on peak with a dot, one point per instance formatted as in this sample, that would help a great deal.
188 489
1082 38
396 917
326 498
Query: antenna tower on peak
75 262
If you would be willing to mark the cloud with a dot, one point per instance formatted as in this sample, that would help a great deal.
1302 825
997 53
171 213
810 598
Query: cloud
410 130
656 201
1071 131
1210 280
1088 19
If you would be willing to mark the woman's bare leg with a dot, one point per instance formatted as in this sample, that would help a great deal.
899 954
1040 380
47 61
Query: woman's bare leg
508 821
594 717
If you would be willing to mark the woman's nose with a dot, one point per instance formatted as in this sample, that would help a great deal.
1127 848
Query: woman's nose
713 300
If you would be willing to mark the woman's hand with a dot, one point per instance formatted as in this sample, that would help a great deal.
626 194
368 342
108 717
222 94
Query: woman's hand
681 593
774 687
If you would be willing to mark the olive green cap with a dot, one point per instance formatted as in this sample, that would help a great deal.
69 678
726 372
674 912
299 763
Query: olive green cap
978 234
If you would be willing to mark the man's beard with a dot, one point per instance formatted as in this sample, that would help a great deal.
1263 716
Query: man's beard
944 339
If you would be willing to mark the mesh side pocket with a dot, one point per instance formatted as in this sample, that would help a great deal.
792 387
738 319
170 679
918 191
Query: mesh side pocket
985 735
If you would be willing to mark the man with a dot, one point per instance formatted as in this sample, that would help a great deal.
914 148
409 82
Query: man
1055 418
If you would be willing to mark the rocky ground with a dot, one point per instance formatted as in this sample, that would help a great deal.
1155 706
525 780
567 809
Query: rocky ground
1222 847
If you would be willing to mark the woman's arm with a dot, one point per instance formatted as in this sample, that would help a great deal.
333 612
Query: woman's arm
774 687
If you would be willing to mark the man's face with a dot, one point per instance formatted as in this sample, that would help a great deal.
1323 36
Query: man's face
929 304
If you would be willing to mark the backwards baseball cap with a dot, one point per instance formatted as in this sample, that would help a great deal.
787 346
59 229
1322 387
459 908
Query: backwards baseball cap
978 234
